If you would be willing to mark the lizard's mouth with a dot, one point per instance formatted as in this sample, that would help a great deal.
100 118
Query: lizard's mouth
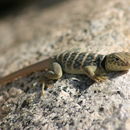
126 66
124 60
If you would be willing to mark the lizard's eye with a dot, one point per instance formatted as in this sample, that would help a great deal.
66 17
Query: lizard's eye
117 59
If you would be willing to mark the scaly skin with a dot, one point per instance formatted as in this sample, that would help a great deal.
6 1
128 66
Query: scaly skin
93 65
118 61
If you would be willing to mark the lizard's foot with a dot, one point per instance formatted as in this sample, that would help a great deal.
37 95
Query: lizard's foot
100 78
43 89
45 86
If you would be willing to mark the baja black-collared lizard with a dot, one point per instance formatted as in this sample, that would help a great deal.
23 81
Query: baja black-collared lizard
95 66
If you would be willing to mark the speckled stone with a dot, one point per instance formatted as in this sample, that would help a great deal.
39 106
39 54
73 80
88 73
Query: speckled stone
75 102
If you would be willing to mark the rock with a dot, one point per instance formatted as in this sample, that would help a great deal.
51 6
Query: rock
75 102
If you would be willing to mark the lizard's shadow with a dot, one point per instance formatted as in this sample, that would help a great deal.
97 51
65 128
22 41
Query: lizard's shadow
113 75
80 82
83 82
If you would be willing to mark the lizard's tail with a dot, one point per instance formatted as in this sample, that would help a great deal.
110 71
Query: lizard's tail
40 66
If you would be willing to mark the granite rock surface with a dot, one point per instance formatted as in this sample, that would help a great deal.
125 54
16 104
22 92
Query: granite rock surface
75 102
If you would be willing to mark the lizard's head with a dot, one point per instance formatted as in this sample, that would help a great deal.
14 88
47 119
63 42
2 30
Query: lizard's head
117 61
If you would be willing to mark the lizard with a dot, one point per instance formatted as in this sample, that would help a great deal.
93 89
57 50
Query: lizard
95 66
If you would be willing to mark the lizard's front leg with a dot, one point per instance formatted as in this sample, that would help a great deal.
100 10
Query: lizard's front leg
95 73
54 73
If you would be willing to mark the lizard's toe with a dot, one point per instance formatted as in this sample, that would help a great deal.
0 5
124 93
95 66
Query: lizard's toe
100 78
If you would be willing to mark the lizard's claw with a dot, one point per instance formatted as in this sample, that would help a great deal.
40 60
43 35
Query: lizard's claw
100 78
45 86
43 89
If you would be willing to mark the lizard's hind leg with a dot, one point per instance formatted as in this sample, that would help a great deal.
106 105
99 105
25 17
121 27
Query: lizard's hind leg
53 74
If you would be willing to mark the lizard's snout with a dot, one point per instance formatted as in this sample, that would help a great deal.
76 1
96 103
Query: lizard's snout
128 64
118 61
127 60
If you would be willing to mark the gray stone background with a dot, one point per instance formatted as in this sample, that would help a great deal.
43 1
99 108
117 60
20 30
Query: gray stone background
31 31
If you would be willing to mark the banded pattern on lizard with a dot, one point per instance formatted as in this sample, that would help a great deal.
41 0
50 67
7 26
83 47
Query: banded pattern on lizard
95 66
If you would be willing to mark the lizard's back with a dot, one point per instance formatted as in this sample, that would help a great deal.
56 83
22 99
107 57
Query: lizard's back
74 61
